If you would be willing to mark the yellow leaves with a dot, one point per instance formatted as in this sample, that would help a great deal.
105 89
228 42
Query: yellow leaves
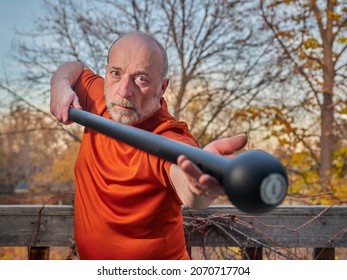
334 16
283 141
63 167
305 178
13 253
343 111
288 34
340 162
250 113
298 158
342 40
288 2
305 181
311 43
339 189
61 170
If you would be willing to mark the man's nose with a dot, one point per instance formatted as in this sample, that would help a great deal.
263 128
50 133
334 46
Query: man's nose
126 87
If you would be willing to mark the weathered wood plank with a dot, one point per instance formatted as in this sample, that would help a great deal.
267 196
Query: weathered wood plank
294 226
32 225
289 227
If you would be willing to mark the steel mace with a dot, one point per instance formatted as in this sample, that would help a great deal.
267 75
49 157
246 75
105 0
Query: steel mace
254 181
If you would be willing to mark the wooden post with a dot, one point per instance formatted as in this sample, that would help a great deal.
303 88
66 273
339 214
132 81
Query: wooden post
38 253
253 253
189 250
324 253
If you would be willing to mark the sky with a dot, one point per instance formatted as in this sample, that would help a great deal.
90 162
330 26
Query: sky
15 15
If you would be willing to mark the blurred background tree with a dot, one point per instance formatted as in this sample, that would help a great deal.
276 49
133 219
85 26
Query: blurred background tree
216 53
274 69
313 39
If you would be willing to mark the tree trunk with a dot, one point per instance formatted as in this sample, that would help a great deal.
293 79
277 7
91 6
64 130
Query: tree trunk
327 112
326 138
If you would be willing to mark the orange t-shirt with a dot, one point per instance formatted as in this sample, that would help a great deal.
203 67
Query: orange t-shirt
125 204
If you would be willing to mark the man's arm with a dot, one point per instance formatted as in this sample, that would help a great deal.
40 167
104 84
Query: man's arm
62 95
196 189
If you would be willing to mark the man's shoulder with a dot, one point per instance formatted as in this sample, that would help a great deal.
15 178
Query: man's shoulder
176 130
88 74
90 91
164 124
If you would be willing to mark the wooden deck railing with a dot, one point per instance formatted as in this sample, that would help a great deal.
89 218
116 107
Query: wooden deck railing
321 228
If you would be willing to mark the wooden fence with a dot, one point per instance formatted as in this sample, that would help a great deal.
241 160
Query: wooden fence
271 235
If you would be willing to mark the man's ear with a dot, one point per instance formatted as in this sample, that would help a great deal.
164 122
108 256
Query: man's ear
164 85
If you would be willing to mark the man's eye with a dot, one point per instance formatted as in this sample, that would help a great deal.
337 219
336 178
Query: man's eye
116 73
142 79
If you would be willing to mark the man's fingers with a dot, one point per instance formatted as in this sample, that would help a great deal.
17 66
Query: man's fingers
76 103
189 167
205 184
65 116
226 146
200 183
193 174
212 185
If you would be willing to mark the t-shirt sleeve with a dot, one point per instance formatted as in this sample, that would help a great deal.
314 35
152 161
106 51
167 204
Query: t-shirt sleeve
178 132
90 92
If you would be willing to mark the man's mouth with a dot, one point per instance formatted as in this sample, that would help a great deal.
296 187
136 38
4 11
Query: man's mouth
123 107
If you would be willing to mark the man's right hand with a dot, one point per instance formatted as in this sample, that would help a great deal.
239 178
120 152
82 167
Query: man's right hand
62 94
62 98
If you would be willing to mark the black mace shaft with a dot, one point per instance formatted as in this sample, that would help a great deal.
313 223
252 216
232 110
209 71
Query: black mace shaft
254 181
154 144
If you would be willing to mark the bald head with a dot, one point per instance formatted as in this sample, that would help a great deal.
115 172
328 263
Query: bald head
143 41
135 78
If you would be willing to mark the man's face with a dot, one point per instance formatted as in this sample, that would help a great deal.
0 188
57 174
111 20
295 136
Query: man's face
133 80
